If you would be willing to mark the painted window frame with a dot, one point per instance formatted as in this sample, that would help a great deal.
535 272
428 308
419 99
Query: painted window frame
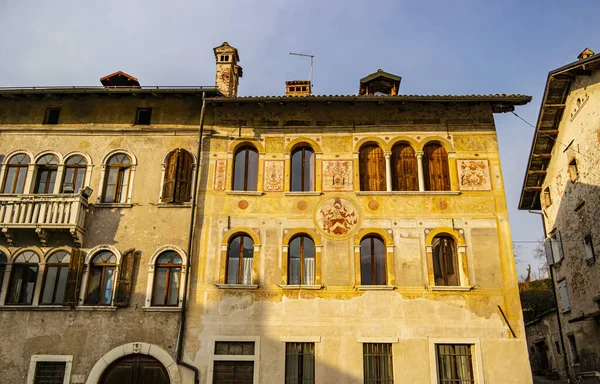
10 270
63 170
247 147
303 148
44 273
476 357
28 169
213 357
104 173
86 276
151 278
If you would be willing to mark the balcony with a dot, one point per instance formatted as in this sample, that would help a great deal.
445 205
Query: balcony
44 214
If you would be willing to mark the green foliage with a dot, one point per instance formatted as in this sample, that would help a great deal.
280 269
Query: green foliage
536 298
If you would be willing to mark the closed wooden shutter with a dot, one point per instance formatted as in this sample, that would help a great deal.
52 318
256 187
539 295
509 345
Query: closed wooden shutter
74 277
125 279
168 192
435 167
183 182
372 168
404 165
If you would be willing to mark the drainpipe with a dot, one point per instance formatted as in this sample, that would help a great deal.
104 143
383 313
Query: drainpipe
192 230
560 332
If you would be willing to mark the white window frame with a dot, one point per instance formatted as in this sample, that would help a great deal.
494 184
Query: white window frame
68 359
564 296
476 358
60 166
88 169
150 286
86 273
103 176
30 169
255 358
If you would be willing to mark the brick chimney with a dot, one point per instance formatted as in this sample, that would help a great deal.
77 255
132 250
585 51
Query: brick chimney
585 54
298 88
228 70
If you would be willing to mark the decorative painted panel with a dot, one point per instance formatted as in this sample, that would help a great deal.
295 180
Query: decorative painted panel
474 175
220 175
274 175
337 175
337 217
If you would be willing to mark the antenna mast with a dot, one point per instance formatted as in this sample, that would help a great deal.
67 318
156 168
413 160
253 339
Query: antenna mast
312 60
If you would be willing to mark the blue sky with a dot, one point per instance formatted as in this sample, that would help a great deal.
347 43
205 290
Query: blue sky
438 47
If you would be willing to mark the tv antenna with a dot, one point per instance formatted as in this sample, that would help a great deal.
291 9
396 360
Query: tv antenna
312 60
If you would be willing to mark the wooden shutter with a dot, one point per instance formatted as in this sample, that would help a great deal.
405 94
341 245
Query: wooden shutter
404 166
372 168
183 180
548 249
363 159
437 173
125 279
168 192
74 277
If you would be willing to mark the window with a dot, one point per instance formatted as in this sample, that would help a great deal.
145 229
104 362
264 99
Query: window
371 168
372 261
303 170
299 363
239 260
52 115
55 278
564 296
47 168
377 363
435 168
16 173
573 171
455 365
573 347
3 261
143 116
50 372
556 246
74 178
301 262
177 185
23 278
234 362
101 279
167 274
404 168
445 265
118 173
245 169
590 256
547 197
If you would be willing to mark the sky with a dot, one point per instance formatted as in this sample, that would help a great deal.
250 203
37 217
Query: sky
438 47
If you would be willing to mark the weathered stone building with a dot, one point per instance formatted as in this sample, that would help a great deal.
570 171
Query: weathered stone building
334 239
563 181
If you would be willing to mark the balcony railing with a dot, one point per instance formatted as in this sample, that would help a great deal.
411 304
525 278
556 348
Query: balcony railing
43 213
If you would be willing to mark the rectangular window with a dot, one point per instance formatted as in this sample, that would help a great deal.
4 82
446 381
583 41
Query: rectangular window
547 197
573 346
50 372
556 244
299 363
52 115
234 348
143 116
377 363
455 364
234 362
564 296
590 257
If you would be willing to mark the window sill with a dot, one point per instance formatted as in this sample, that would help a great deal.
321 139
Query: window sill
244 193
308 193
297 286
103 308
113 205
236 286
162 309
402 193
174 205
375 287
451 288
34 308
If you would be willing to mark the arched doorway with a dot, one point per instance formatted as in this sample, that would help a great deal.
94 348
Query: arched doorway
135 369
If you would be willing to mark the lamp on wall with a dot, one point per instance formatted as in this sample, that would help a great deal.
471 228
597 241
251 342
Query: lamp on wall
86 192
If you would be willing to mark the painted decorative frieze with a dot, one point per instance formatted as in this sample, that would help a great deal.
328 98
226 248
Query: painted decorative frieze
474 175
220 175
337 175
274 175
337 217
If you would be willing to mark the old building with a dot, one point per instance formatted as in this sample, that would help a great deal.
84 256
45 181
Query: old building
562 181
306 239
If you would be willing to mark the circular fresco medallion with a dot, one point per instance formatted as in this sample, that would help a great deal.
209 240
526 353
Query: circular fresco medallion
337 217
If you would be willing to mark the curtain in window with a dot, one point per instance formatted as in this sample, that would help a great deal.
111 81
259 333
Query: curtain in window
239 260
445 268
302 170
299 363
245 169
454 364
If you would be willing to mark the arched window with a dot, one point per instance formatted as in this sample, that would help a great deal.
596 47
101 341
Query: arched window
372 261
74 178
116 183
55 278
101 279
16 173
23 278
3 261
303 170
404 168
435 168
177 185
445 263
245 169
372 168
301 261
239 260
46 170
167 274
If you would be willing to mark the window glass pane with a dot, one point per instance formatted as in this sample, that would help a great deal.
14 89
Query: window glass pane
62 285
123 185
11 174
22 284
111 185
233 260
366 265
454 364
79 160
107 286
239 171
379 253
68 180
160 285
79 179
19 159
49 372
173 297
308 170
93 288
377 363
309 261
252 170
294 261
20 184
296 171
234 348
299 363
49 284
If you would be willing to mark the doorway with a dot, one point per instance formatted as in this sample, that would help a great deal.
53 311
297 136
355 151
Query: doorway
135 369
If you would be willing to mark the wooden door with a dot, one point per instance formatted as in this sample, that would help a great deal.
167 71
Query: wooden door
135 369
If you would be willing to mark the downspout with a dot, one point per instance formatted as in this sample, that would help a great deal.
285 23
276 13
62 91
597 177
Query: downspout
560 332
192 230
